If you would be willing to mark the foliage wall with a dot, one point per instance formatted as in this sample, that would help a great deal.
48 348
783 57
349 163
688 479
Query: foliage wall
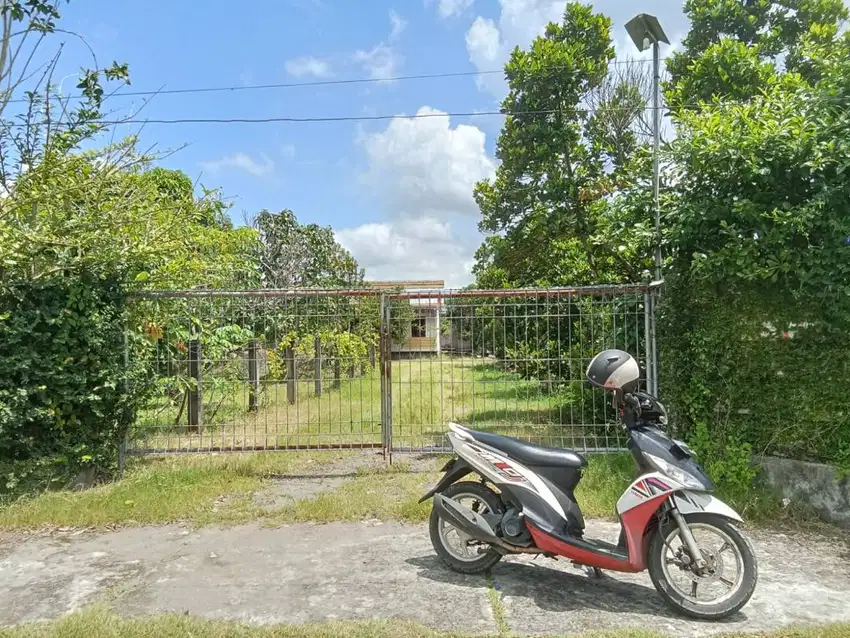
754 206
757 310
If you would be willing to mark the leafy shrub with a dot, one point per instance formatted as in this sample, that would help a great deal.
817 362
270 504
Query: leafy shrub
755 367
339 349
65 395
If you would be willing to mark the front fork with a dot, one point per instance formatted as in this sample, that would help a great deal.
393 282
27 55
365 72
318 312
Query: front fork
687 535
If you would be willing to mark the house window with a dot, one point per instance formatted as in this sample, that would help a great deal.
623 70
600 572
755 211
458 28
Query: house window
417 329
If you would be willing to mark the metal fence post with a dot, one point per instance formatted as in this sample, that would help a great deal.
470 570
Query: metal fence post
650 347
653 294
383 378
647 345
386 365
253 375
196 402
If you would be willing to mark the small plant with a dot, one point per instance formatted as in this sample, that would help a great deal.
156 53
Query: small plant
728 461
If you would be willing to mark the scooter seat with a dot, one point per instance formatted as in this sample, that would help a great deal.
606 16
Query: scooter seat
529 453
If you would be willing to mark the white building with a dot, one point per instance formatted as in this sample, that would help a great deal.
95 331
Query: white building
422 333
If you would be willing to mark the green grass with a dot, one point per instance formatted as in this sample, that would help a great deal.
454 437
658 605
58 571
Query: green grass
606 478
218 489
426 393
497 608
389 497
98 624
200 489
204 489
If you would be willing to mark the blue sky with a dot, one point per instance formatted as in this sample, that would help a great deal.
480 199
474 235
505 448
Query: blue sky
397 193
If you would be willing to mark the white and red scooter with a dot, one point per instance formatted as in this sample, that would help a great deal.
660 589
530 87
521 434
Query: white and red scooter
698 559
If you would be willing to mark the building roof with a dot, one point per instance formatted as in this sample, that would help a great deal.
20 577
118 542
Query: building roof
421 284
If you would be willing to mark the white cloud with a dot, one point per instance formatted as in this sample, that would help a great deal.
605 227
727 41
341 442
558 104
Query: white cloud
449 8
241 161
482 43
489 45
423 172
308 65
409 249
381 62
426 167
398 24
288 151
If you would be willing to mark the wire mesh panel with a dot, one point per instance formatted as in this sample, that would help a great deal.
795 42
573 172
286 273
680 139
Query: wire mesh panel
261 370
299 369
511 362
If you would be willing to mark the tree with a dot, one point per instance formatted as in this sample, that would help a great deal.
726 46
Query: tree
64 387
78 230
736 50
566 150
304 256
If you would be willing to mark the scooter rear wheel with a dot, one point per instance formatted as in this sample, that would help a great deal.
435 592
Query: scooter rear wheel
461 556
727 593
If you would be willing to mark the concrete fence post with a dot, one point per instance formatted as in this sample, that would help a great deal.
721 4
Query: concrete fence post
290 375
196 395
317 367
253 375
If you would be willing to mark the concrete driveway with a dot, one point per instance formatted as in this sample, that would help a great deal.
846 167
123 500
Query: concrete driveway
303 573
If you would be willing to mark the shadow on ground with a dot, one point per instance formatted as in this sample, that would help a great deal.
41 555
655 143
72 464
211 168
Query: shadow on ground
556 590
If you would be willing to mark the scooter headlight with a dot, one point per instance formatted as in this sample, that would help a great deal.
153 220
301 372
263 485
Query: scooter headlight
676 473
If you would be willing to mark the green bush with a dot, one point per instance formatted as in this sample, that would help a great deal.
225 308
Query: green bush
751 366
65 399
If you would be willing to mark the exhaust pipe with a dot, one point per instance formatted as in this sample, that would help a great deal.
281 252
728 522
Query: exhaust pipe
474 524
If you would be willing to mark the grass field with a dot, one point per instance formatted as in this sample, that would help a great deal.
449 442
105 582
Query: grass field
426 394
221 489
98 624
203 489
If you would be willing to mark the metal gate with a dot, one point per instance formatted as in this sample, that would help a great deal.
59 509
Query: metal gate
342 369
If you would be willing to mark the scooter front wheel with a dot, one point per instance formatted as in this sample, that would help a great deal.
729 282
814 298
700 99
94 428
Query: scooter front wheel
716 591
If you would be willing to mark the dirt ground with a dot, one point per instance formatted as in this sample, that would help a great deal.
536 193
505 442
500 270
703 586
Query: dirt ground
303 573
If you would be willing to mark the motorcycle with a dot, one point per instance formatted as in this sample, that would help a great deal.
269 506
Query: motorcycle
524 503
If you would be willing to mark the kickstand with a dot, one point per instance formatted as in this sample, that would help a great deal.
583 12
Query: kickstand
594 572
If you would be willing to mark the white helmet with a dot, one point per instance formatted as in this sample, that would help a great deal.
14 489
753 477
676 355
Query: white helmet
614 370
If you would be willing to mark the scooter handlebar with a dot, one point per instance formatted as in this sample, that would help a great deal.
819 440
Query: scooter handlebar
633 402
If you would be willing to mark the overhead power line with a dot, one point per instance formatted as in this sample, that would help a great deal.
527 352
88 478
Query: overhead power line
372 118
363 118
317 83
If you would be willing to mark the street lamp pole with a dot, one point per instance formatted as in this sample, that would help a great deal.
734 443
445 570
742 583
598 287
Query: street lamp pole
656 148
644 30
